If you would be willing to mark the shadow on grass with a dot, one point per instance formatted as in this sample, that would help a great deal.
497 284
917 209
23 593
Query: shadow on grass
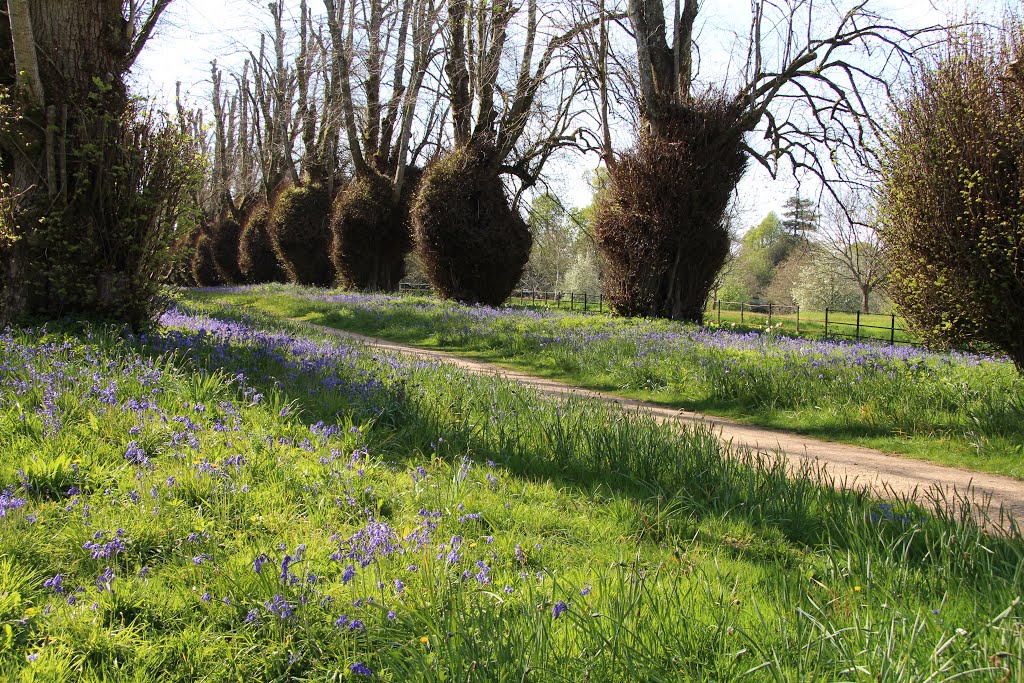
582 445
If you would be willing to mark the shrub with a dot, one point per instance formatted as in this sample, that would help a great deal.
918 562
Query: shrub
471 243
301 234
952 197
101 249
371 234
256 257
660 224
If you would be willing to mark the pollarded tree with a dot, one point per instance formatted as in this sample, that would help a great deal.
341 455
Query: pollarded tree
299 221
97 186
952 197
807 68
370 220
471 240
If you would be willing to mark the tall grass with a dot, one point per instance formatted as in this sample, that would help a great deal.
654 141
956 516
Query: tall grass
959 409
230 500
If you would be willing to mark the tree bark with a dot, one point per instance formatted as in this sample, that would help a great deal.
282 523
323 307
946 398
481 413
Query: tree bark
70 57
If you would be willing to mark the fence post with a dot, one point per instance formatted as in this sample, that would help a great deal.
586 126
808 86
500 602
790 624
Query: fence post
826 322
857 332
798 318
584 302
769 314
572 301
892 331
600 302
741 313
719 312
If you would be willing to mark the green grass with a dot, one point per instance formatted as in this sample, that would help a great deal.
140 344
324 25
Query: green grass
954 410
808 324
811 324
181 460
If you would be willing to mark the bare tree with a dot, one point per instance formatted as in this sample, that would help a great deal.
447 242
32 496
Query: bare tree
805 85
472 242
848 232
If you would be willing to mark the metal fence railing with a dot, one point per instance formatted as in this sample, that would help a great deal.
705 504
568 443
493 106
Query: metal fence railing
827 324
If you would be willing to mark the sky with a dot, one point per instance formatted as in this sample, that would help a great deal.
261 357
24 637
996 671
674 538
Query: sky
194 32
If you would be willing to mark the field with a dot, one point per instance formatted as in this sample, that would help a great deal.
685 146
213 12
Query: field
957 409
227 498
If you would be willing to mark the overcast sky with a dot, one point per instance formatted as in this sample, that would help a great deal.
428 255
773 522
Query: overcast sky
193 32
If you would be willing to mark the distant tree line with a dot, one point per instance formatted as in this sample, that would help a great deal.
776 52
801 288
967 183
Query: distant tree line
817 259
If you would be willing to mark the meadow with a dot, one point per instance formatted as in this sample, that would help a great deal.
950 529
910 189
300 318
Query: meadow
958 409
231 498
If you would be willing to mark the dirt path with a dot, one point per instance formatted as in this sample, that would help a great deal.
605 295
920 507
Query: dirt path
890 476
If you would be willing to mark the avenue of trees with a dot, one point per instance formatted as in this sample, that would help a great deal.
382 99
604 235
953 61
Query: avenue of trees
358 131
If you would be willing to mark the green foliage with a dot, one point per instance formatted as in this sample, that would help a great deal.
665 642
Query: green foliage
551 256
301 234
772 239
952 198
473 246
960 411
101 248
672 555
801 216
764 248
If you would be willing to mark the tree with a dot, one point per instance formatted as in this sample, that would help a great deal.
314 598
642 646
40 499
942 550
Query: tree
552 253
299 221
752 270
850 235
661 227
823 283
372 235
801 216
97 184
471 240
584 275
952 195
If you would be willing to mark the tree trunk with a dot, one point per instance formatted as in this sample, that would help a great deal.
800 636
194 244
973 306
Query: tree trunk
70 57
865 304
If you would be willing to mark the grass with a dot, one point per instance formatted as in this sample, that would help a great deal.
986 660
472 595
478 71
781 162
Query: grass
229 499
954 409
811 324
785 319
